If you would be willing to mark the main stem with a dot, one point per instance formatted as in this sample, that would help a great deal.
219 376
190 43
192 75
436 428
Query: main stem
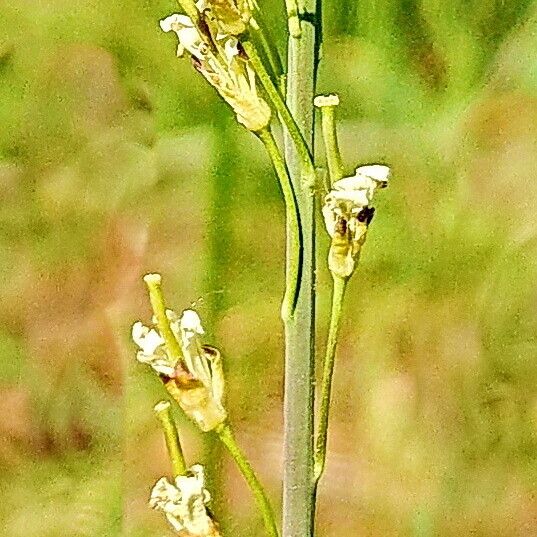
226 436
298 482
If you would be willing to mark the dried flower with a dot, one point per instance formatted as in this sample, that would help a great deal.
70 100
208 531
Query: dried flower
195 379
231 16
218 56
184 503
347 215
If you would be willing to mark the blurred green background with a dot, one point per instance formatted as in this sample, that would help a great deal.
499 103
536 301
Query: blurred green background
117 159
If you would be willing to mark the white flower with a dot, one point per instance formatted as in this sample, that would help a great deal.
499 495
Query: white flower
223 67
347 215
190 326
199 375
203 362
184 503
188 35
152 349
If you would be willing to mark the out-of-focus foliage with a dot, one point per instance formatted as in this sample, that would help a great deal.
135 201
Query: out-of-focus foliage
116 159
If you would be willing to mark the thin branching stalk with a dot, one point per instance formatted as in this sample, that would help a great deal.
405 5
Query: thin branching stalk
163 413
294 236
308 176
298 484
266 43
226 436
338 294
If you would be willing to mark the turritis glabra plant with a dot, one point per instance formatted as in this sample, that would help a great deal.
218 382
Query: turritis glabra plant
228 44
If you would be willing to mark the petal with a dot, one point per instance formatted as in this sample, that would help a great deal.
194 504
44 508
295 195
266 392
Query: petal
357 198
191 322
377 172
175 22
149 340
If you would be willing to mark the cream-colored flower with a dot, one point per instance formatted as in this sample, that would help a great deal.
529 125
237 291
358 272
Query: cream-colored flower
184 503
152 349
224 67
196 380
347 214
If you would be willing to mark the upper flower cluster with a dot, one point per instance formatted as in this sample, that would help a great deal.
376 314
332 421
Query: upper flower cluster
347 214
212 43
195 379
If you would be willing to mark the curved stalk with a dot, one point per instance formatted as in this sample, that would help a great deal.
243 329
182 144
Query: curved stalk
293 271
308 169
338 294
226 436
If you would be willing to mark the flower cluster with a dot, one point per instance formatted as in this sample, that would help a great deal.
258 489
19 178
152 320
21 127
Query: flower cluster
216 52
185 503
195 379
347 214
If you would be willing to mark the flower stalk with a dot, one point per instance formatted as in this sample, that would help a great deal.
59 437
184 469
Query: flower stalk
347 215
171 435
294 237
307 173
327 105
226 436
338 295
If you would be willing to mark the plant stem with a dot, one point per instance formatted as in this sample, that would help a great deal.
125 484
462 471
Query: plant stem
226 436
153 282
163 412
338 294
294 236
308 176
333 155
268 47
298 489
293 19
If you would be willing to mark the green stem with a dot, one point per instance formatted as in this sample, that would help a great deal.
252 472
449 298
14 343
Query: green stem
293 19
269 49
226 436
293 270
163 412
338 294
331 146
308 169
154 282
298 407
